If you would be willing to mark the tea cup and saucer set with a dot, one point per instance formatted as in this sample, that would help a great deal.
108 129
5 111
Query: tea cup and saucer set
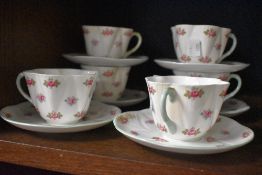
107 53
200 53
189 110
59 101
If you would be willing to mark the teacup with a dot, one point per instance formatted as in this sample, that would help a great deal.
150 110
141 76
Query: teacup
61 96
106 41
224 76
111 82
185 108
202 43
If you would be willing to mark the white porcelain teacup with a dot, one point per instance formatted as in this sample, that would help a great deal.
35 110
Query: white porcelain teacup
224 76
111 82
185 108
61 96
202 43
107 41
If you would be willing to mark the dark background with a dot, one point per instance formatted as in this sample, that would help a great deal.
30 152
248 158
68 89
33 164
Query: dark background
35 33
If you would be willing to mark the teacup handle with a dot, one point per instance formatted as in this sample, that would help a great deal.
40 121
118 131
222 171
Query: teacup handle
234 38
139 42
20 89
170 124
239 83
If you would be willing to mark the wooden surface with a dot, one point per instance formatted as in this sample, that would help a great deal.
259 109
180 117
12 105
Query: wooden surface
105 151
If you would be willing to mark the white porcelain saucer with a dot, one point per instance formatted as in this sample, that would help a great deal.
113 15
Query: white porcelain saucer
226 135
130 97
104 61
225 66
233 107
24 116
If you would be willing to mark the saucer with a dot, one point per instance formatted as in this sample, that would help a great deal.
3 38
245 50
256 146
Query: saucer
130 97
233 107
225 135
225 66
105 61
25 116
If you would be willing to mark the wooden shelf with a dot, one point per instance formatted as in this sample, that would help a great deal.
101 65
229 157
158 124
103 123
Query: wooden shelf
105 151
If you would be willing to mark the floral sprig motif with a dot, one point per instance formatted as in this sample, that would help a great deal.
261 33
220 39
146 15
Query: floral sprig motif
207 113
108 73
89 82
51 83
30 82
159 139
80 114
107 32
223 77
191 132
161 127
194 93
223 93
128 33
123 119
134 133
54 115
151 90
185 58
218 46
107 94
245 134
211 33
180 31
94 42
118 44
41 98
71 100
205 59
210 139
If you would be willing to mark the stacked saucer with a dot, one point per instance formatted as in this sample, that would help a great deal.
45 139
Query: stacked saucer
107 54
200 51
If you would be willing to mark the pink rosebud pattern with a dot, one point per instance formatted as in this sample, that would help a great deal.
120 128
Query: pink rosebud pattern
211 33
116 83
80 114
30 82
94 42
245 134
41 98
113 113
180 31
118 44
107 32
150 121
225 132
194 93
191 132
223 93
51 83
128 33
54 115
210 139
207 114
71 100
205 59
89 82
159 139
223 77
151 90
108 73
185 58
134 133
218 46
107 94
161 127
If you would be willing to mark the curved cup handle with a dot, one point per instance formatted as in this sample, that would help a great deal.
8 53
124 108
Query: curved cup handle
139 42
239 83
170 124
234 38
18 85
